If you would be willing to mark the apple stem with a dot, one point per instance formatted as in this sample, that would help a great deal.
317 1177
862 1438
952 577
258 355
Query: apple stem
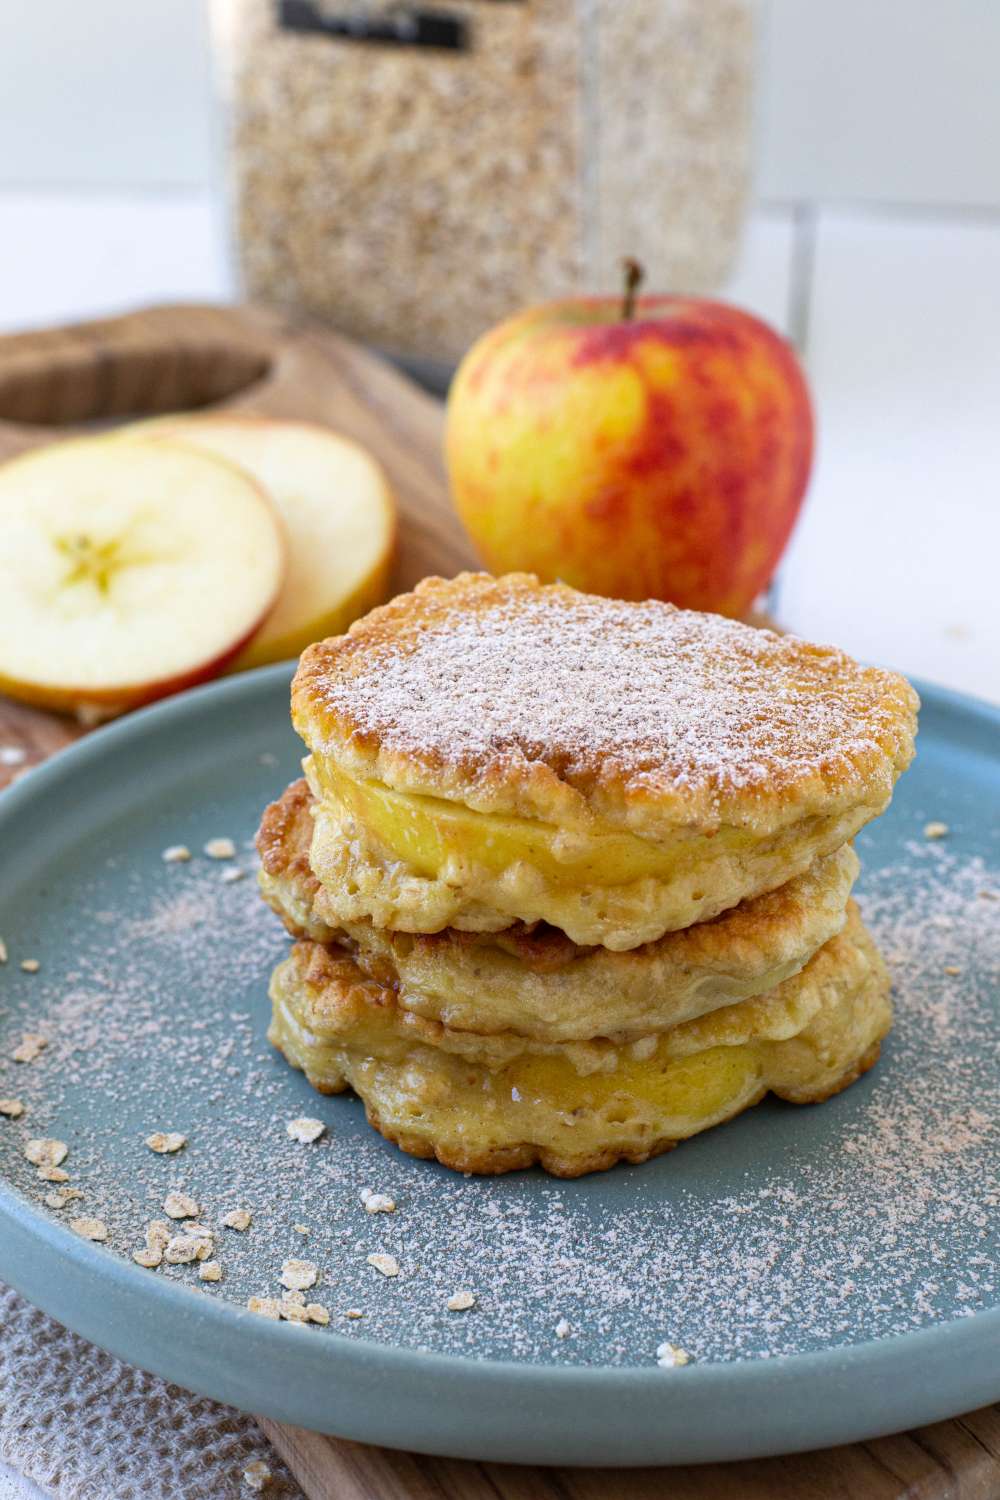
634 277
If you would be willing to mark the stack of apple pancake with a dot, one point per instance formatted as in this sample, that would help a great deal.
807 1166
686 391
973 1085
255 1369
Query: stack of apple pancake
570 878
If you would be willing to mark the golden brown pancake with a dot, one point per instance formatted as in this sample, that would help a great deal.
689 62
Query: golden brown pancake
487 751
492 1104
534 980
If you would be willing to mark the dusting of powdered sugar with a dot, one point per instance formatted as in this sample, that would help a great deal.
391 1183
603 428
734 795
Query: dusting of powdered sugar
646 691
787 1230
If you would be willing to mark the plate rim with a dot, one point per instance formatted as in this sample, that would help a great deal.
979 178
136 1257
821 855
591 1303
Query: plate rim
658 1417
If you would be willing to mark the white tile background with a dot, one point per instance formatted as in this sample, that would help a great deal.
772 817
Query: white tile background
875 243
105 94
896 556
881 101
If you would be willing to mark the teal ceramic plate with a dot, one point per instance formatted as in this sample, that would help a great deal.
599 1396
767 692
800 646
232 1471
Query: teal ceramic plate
831 1271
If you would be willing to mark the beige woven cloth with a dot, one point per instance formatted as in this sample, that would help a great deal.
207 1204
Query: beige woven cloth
84 1426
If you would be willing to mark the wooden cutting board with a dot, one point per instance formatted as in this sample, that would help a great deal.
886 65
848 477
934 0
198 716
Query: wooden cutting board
56 383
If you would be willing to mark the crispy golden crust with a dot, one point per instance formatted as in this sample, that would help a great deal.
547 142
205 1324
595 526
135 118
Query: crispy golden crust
494 1162
497 1160
283 841
534 980
539 701
490 1104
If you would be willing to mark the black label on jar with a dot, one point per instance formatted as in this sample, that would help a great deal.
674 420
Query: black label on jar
395 26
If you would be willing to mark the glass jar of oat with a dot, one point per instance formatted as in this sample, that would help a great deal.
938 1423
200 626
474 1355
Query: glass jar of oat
416 172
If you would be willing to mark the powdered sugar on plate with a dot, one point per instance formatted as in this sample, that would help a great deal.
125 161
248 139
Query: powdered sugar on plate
787 1230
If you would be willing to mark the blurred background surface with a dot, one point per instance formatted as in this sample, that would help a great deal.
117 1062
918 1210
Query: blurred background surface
873 240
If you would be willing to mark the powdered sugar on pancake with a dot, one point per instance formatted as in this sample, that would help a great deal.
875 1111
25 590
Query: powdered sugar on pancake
478 671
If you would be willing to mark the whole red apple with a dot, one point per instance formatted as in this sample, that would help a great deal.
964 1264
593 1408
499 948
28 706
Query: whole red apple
657 448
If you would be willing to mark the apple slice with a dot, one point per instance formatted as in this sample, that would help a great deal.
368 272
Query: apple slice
128 571
339 516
